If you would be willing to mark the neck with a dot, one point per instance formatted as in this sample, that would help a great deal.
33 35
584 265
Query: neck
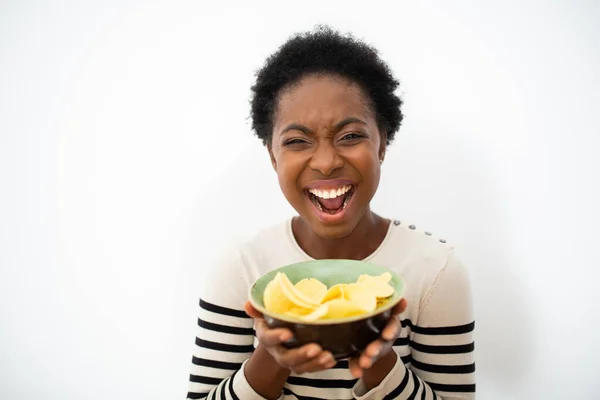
364 239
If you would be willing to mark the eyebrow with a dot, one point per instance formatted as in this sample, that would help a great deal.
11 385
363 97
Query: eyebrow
297 127
348 121
337 127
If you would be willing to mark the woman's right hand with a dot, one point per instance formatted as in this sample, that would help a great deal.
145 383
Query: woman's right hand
308 358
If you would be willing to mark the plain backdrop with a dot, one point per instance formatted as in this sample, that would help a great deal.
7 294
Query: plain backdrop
127 161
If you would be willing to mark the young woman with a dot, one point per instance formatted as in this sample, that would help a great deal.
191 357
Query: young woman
324 107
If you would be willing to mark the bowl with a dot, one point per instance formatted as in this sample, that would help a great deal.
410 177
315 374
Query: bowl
343 337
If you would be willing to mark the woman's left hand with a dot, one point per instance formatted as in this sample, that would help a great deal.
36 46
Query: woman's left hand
381 347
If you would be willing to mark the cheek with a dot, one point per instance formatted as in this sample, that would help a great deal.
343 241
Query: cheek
288 173
368 166
373 175
370 170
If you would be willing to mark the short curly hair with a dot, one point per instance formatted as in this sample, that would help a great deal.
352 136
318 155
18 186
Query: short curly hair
325 51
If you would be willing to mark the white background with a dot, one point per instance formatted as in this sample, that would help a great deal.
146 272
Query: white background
127 160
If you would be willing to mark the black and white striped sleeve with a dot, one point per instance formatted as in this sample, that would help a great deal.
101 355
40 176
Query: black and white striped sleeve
224 337
441 345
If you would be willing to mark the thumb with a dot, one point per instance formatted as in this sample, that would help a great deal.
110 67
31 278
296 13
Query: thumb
251 311
400 307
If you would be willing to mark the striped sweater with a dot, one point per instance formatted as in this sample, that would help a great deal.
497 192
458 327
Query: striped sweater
435 347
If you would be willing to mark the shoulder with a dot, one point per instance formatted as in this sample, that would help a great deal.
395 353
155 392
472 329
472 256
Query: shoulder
421 257
411 243
416 232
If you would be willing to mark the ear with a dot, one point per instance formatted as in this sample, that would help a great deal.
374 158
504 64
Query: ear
272 157
382 145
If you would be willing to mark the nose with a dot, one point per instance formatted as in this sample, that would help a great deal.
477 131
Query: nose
326 159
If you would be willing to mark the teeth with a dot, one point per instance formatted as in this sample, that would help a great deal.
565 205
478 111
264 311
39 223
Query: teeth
345 202
332 193
316 203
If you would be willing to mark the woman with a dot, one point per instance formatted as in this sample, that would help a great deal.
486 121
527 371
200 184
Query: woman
324 107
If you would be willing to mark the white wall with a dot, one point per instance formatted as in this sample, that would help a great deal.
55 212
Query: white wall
126 160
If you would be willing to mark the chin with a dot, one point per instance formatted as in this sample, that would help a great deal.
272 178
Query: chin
331 231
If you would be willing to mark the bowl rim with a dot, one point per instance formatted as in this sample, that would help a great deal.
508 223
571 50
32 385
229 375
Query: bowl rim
334 321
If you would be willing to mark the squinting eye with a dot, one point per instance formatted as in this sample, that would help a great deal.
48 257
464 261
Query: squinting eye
293 141
352 135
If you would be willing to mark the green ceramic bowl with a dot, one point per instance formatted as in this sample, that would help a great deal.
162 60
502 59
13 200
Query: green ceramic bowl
344 337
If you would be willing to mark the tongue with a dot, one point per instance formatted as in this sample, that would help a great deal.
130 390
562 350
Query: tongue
332 204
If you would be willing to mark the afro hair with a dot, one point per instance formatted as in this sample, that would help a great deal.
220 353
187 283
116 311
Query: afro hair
325 51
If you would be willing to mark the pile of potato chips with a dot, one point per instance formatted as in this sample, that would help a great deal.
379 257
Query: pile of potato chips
310 300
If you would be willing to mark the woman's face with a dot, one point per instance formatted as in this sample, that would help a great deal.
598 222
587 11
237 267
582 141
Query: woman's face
326 150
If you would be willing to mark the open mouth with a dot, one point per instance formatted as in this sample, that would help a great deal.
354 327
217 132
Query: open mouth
331 201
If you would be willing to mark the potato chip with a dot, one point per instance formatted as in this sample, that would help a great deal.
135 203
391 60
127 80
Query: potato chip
382 302
293 294
362 295
298 311
341 308
309 316
309 300
312 288
275 299
335 292
378 284
385 278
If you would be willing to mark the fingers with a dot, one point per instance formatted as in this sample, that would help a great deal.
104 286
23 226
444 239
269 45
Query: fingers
400 307
376 349
291 358
373 352
268 337
271 337
368 356
308 358
355 369
320 362
392 329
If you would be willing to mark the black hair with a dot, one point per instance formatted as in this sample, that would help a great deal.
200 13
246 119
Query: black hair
325 51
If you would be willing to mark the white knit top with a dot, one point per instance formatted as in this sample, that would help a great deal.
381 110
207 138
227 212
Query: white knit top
435 347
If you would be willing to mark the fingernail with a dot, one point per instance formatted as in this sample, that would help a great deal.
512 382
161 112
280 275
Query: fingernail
387 335
325 358
284 337
313 351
